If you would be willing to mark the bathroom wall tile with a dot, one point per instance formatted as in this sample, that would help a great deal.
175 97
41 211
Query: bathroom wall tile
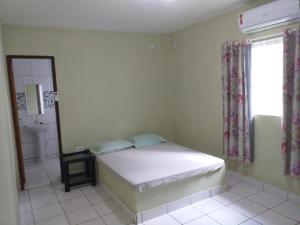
21 81
40 67
45 81
21 66
28 71
21 114
27 136
51 132
29 119
51 147
21 101
49 99
29 150
48 116
25 119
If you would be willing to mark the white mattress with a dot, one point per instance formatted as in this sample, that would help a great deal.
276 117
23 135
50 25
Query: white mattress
159 164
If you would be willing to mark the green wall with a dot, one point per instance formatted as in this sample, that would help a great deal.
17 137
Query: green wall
198 94
8 186
111 85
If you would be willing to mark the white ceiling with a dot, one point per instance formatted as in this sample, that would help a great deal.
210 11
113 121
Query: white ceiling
153 16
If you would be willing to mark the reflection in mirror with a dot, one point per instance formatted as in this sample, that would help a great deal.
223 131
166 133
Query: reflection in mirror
34 99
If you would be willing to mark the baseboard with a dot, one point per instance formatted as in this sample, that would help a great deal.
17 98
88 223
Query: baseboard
232 178
161 210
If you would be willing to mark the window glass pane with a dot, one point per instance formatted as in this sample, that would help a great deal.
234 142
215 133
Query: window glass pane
267 77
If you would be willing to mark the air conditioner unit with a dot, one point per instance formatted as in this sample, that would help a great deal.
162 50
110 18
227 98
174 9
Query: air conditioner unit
274 14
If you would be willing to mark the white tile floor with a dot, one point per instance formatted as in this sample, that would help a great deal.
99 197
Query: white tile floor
39 174
50 205
242 204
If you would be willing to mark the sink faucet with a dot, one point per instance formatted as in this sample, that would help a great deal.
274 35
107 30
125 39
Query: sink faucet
38 121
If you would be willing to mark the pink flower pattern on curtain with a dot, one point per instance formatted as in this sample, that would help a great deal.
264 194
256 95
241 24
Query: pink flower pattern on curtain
236 115
291 103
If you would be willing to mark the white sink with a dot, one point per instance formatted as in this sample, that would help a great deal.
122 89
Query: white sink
40 127
39 130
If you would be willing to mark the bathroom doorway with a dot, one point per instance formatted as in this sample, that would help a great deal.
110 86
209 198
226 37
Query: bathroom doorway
35 110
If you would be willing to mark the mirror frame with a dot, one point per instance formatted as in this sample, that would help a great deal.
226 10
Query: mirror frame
38 98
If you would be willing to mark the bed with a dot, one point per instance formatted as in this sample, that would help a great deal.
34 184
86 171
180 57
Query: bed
147 177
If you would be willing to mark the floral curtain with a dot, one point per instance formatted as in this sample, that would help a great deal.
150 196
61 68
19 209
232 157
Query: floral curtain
236 107
291 103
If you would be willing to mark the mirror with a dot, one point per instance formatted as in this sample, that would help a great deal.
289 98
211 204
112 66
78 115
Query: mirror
34 99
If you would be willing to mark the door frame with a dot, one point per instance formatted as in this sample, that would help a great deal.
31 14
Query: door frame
12 90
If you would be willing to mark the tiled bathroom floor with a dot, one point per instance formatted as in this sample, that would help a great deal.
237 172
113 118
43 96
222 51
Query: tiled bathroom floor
38 174
242 204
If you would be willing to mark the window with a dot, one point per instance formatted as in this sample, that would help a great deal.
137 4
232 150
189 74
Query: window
267 77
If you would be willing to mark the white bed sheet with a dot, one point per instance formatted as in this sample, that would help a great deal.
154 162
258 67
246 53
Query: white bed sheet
159 164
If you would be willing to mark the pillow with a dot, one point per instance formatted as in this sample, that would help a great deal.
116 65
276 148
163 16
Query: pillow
146 139
110 146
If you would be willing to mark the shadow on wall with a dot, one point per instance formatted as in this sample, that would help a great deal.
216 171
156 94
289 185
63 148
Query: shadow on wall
268 165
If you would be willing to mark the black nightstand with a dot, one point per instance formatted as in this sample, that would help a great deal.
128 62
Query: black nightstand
75 179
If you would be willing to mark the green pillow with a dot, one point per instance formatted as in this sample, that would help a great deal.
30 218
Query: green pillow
146 139
110 146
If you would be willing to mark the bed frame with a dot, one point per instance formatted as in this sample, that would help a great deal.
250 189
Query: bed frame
157 201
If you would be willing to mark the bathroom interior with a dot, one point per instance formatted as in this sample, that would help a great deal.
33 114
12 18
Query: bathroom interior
36 117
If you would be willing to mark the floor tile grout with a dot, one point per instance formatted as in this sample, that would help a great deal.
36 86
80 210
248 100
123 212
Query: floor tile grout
91 204
285 216
86 193
46 168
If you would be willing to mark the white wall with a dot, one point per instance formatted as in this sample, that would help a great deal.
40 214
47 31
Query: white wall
8 186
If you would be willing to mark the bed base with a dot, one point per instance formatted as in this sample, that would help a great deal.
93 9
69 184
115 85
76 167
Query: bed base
161 210
157 201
